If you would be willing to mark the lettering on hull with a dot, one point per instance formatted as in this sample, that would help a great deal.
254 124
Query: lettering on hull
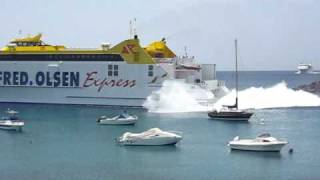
92 80
61 79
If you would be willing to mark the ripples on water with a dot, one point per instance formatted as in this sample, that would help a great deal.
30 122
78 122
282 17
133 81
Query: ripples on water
64 142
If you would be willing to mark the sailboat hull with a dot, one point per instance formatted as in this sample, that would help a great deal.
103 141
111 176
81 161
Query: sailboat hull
237 116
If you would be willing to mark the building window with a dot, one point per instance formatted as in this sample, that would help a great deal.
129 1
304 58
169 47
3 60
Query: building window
113 70
150 70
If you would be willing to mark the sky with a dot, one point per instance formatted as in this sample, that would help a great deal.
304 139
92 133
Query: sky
272 34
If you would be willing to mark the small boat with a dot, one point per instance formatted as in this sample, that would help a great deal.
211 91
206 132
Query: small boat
232 112
152 137
123 119
12 122
264 142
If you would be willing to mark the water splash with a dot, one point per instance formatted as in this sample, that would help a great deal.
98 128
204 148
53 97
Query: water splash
277 96
177 96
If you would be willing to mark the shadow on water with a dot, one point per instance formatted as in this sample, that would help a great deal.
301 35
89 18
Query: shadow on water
152 149
229 121
11 131
273 155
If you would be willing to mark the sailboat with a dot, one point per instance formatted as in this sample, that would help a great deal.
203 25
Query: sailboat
232 112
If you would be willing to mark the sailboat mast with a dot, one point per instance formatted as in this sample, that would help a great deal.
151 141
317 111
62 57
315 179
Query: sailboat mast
236 57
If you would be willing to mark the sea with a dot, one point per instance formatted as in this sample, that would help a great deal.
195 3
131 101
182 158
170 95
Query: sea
64 142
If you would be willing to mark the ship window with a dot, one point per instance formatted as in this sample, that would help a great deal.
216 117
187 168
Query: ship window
113 70
115 67
150 70
150 73
116 72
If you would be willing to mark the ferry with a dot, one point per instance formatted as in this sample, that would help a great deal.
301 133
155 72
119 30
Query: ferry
304 68
32 71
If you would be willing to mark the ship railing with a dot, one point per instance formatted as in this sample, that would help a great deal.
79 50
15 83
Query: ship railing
83 49
185 60
164 60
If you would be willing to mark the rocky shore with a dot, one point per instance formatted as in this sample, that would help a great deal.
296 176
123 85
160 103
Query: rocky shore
313 87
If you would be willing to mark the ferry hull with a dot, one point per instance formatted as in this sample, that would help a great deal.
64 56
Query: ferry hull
36 82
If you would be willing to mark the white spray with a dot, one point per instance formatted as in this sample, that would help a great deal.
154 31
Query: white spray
276 96
177 96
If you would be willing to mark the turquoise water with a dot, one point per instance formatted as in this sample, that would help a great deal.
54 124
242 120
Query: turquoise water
64 142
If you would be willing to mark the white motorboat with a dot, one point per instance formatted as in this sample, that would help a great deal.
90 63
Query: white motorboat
152 137
12 122
123 119
11 125
264 142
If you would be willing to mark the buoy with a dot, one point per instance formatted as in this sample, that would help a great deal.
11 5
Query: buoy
290 150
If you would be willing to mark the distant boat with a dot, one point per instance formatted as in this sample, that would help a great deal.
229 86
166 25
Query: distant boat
152 137
12 122
264 142
304 69
122 119
232 112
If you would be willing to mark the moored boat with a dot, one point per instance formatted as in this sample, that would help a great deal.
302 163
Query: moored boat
122 119
232 112
264 142
12 122
152 137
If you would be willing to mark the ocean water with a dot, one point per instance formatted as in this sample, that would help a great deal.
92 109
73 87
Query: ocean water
64 142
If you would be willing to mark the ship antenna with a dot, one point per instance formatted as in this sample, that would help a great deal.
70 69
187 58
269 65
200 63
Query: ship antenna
236 57
185 51
135 27
130 29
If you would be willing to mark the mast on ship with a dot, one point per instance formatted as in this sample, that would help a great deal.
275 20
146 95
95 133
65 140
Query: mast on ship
132 28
